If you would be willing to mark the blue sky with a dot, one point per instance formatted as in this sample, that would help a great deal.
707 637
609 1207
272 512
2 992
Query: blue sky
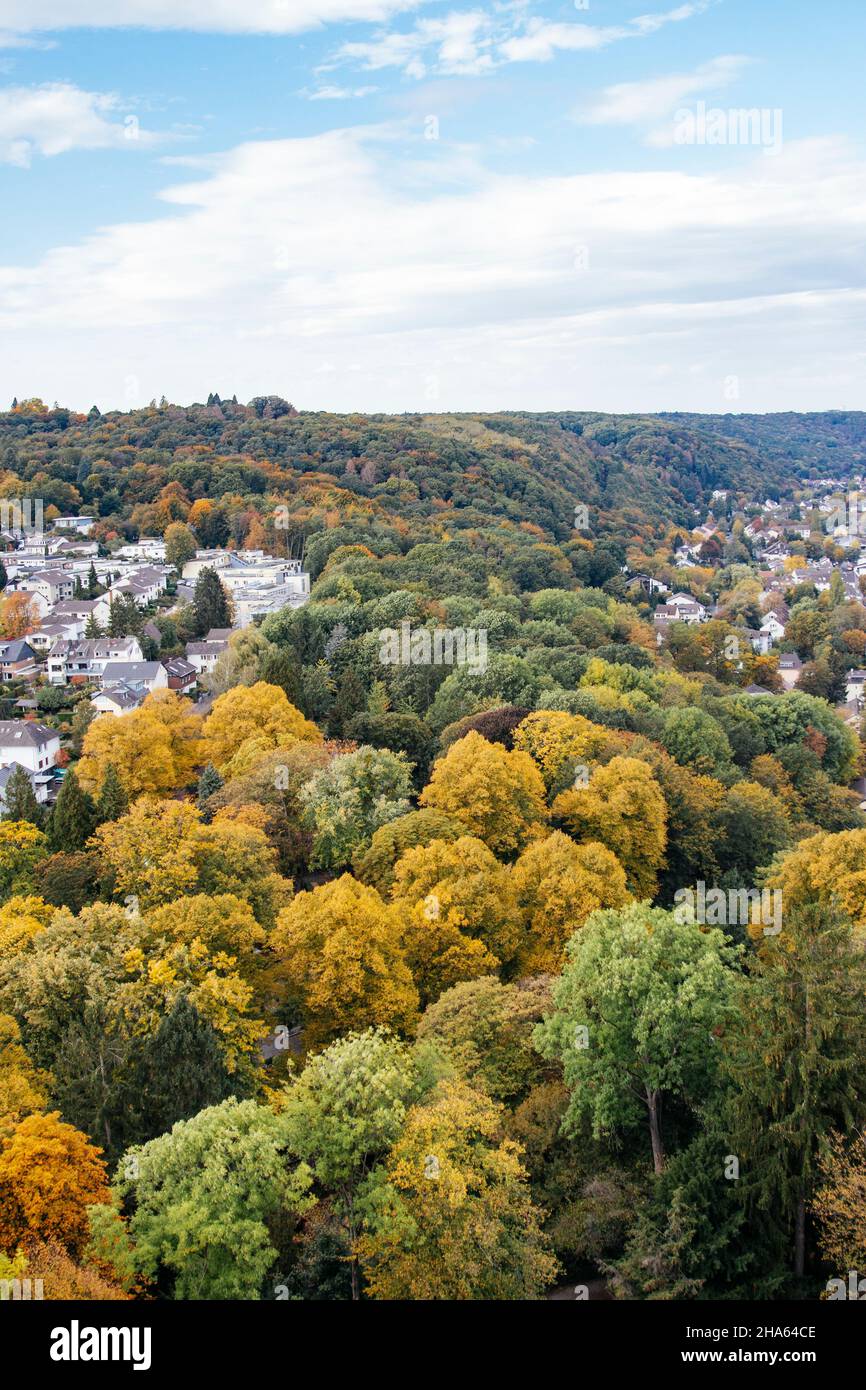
373 205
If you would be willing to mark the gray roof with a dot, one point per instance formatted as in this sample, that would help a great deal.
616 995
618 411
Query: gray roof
26 732
120 672
17 650
122 696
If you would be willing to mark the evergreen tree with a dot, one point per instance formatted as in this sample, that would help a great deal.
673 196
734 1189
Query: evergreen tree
21 803
795 1055
92 582
93 627
208 783
210 603
78 587
113 801
182 1070
73 819
351 699
4 578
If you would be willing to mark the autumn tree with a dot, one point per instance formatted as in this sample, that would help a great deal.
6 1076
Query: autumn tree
180 546
621 807
558 884
250 720
49 1175
155 748
377 863
452 1216
497 795
458 884
344 1112
22 846
839 1206
484 1028
342 948
19 615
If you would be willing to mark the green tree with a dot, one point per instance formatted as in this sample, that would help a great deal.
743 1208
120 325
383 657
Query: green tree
635 1012
207 1191
73 818
211 605
20 799
794 1051
344 1112
113 801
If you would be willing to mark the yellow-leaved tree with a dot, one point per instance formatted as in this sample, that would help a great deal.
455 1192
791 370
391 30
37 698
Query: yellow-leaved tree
560 744
247 721
156 748
558 884
49 1174
826 866
460 912
161 850
498 795
622 807
343 953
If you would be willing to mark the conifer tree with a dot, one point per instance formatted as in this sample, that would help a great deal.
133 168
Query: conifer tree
113 801
210 603
73 819
21 803
208 783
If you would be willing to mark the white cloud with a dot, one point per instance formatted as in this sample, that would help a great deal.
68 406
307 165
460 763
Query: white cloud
542 39
58 117
475 42
340 251
338 93
643 103
203 16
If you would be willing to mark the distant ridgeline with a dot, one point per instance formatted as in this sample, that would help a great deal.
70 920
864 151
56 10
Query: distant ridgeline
389 481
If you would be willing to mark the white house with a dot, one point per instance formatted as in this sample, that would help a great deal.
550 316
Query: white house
855 685
118 700
85 659
79 524
773 626
34 747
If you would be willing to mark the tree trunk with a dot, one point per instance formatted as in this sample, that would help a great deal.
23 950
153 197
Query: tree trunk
652 1100
800 1239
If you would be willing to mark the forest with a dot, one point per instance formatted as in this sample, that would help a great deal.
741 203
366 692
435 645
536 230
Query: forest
382 979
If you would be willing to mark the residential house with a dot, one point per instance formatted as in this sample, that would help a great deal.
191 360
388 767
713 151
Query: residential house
117 699
17 660
85 659
182 675
34 747
855 683
790 667
138 675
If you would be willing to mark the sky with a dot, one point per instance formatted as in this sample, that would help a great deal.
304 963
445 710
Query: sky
392 205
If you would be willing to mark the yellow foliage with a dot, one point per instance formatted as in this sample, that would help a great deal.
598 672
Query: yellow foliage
623 808
260 712
498 795
156 748
342 949
558 885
